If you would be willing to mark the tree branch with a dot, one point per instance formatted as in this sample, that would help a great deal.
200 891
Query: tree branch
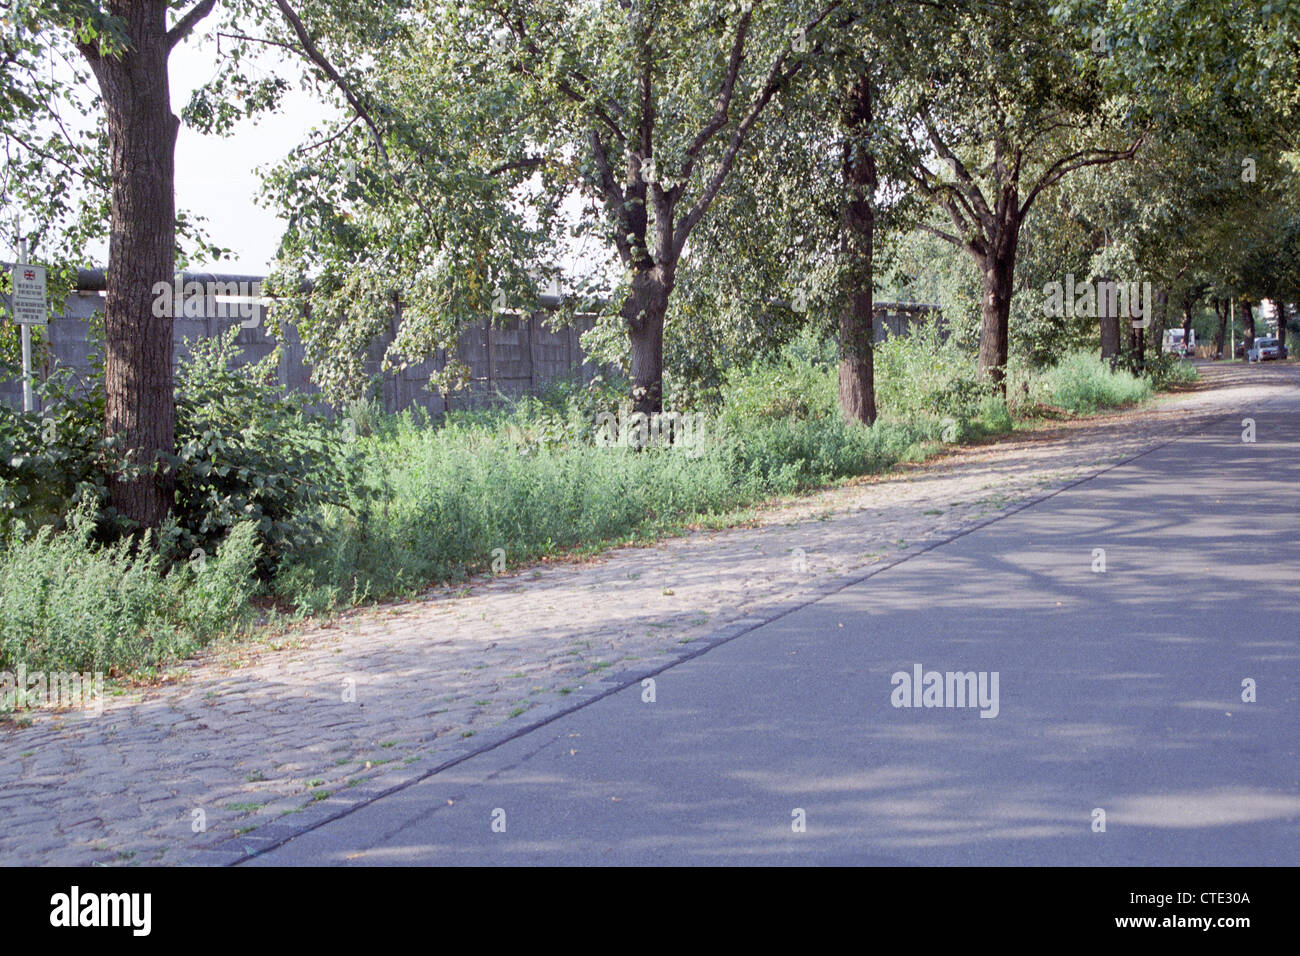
777 77
722 112
972 191
946 236
615 201
516 26
1076 160
188 22
313 54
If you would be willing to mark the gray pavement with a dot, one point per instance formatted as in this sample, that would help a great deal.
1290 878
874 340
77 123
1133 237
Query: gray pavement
1118 690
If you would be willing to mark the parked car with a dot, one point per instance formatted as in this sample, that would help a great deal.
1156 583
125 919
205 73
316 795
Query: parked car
1264 350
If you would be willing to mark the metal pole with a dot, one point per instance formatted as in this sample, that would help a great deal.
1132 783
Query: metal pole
1232 328
27 367
27 344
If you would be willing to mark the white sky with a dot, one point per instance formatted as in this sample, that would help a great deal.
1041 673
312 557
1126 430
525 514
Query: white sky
215 175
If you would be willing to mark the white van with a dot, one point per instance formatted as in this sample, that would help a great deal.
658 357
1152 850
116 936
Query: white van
1174 342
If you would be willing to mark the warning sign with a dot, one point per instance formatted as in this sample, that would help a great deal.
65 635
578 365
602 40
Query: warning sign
29 294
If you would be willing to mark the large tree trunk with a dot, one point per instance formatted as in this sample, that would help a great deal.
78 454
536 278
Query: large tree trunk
1156 330
1220 310
1248 325
643 315
1107 322
1187 324
995 313
857 389
857 386
140 406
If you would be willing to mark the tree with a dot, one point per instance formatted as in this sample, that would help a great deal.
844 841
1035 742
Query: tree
140 405
794 240
1219 82
125 44
1002 107
640 111
803 213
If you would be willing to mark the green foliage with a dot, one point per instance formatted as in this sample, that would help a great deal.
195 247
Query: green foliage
54 176
432 503
924 372
504 139
1082 382
784 389
1166 369
56 460
246 450
68 603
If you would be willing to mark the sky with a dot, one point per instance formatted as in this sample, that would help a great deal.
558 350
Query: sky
216 175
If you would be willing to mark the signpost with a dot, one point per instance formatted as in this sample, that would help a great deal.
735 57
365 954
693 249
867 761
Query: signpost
29 308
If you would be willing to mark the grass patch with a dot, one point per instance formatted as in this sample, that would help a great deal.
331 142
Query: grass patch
68 603
1083 384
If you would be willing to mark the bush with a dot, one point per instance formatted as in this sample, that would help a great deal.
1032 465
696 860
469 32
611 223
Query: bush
1083 382
781 390
245 452
248 451
1165 369
67 603
55 460
922 373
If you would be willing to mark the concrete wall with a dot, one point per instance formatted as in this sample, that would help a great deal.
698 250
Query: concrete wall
512 358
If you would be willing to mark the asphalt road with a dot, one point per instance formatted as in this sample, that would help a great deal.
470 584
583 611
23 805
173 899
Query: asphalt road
1118 690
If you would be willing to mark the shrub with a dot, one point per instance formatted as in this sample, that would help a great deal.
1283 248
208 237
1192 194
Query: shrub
1082 382
1166 369
782 390
922 373
67 603
248 451
55 460
245 451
